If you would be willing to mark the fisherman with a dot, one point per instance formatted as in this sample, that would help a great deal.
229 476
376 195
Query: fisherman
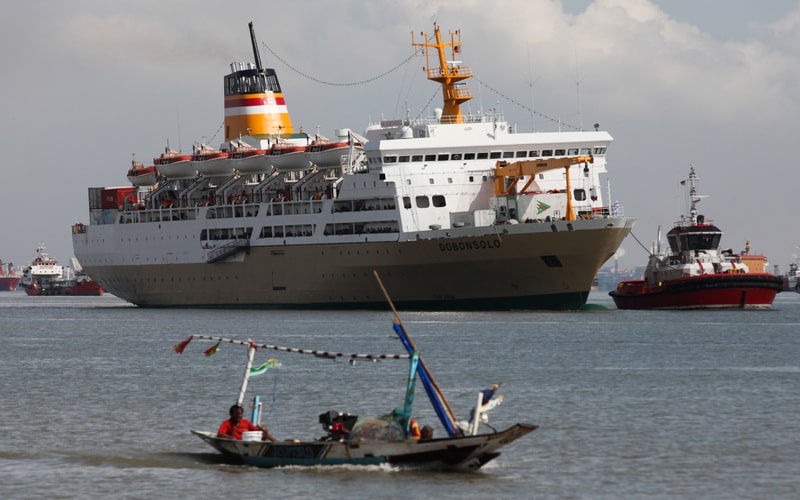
234 426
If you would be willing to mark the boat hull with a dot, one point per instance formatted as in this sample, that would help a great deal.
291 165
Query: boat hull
720 291
214 167
9 283
183 169
146 178
291 161
451 453
251 164
328 157
522 266
81 288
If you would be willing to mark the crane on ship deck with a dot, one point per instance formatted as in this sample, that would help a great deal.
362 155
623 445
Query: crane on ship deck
504 171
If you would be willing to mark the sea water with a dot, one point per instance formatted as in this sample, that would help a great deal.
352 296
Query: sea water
690 404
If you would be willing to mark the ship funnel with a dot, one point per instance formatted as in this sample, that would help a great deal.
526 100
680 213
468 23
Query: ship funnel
254 103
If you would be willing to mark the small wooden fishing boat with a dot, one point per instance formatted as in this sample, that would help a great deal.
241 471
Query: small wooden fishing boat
385 439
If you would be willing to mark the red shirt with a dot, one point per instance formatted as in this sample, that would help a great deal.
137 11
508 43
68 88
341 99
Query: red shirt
227 427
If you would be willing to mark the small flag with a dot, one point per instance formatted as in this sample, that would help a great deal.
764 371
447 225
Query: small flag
180 346
270 363
213 349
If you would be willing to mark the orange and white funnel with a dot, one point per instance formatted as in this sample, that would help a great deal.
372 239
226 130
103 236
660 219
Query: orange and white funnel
254 103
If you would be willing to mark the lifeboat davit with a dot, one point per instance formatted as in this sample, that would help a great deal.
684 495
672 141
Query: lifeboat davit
139 175
174 165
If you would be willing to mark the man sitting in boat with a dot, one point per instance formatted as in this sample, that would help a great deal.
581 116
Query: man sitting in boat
234 426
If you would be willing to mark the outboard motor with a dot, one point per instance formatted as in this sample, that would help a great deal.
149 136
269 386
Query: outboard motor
337 425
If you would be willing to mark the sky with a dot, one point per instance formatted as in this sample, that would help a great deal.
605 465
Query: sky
713 84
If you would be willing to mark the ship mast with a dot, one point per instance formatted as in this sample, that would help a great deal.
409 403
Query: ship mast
693 196
448 74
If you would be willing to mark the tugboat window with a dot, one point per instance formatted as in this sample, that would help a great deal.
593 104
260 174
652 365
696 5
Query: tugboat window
439 201
423 202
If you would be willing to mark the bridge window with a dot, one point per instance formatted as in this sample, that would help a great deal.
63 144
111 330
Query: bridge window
423 202
439 201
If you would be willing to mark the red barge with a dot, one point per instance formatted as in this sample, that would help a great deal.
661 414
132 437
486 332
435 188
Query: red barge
695 273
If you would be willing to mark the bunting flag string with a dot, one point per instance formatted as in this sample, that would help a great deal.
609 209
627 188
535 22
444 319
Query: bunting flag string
212 350
320 354
180 346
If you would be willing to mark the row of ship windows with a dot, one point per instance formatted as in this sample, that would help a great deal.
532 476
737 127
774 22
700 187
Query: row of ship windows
490 155
300 230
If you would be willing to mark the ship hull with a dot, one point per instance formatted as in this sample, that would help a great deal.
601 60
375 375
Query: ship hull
714 291
9 283
524 266
84 288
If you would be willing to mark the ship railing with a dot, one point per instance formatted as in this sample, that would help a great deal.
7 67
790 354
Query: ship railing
224 251
487 117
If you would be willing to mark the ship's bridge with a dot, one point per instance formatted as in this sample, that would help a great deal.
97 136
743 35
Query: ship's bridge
695 237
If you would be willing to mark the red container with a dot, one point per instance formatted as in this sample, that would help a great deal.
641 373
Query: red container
113 198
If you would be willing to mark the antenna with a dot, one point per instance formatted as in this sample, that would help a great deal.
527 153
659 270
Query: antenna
578 88
256 56
531 83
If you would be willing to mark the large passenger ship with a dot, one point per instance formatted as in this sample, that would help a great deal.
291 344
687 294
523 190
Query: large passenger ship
454 210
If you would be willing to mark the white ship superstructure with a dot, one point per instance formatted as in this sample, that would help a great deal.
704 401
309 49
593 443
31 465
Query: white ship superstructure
454 212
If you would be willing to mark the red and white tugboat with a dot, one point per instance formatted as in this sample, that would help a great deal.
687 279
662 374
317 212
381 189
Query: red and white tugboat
695 273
